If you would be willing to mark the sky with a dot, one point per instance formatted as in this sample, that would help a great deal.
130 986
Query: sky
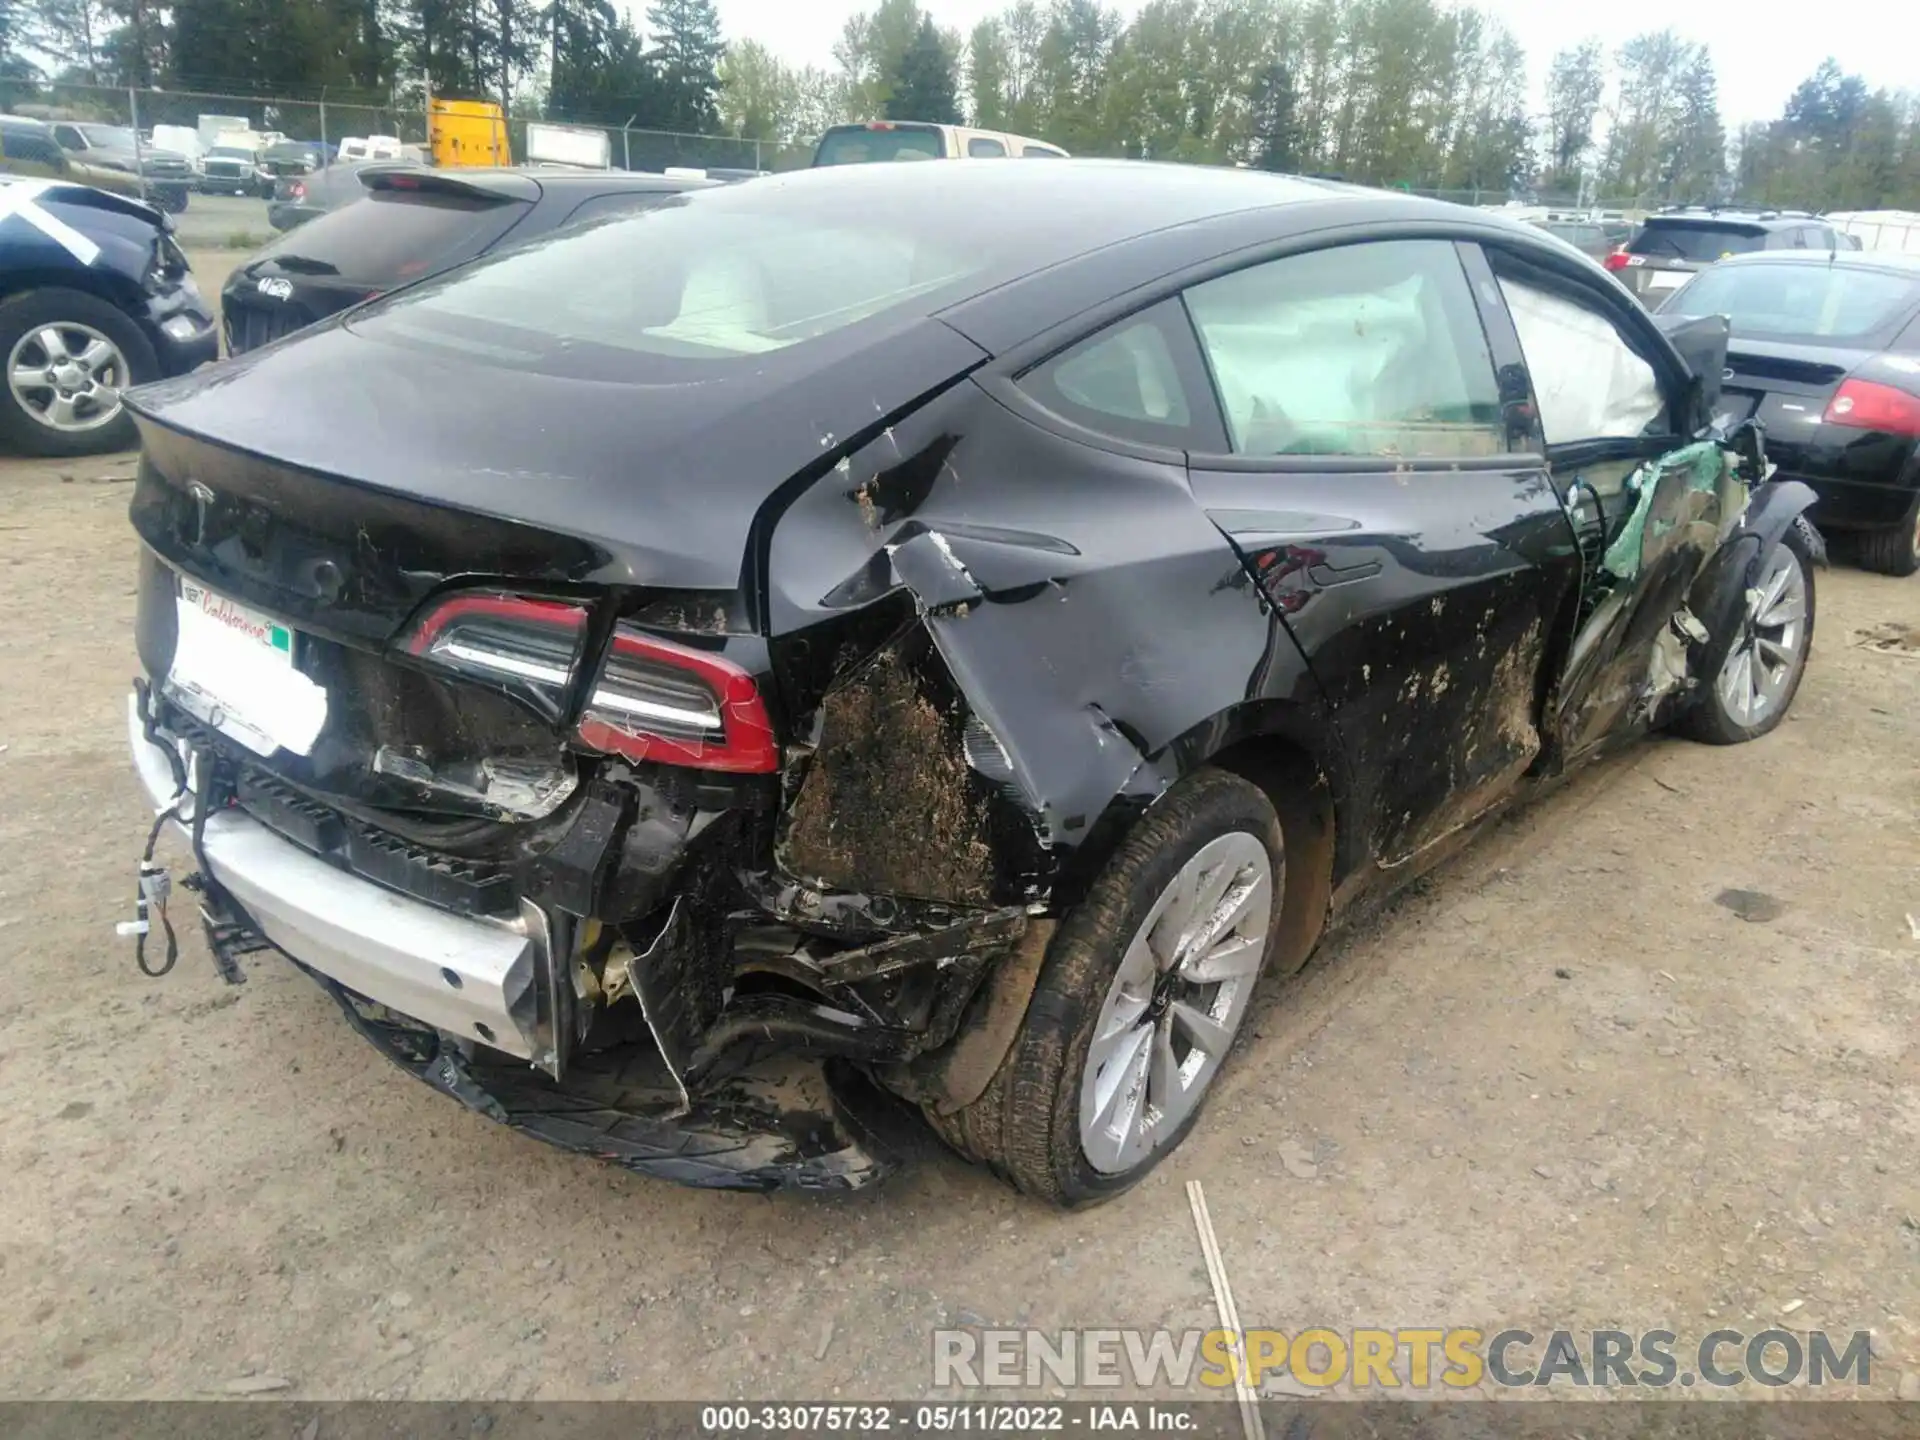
1761 48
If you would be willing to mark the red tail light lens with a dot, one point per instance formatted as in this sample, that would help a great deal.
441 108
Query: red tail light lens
527 646
1863 405
1620 260
654 700
299 191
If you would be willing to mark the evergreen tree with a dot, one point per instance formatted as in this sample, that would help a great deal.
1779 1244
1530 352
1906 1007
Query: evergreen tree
686 56
1275 127
924 87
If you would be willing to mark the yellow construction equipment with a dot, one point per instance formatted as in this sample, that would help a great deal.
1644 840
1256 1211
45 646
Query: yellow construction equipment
467 133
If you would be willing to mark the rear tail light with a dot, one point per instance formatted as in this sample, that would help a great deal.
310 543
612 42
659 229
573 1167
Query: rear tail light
651 700
654 700
1620 260
526 646
299 191
1863 405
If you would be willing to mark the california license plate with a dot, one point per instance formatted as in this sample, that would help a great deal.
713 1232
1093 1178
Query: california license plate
233 670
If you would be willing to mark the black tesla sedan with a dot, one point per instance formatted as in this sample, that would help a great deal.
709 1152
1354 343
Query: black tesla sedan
955 627
363 229
1826 354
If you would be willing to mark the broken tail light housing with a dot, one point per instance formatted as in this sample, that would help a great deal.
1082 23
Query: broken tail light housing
525 646
651 699
655 700
1863 405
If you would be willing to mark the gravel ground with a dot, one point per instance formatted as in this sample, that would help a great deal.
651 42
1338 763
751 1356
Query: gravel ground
1561 1084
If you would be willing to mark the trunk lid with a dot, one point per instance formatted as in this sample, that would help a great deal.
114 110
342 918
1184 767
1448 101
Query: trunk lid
341 485
503 470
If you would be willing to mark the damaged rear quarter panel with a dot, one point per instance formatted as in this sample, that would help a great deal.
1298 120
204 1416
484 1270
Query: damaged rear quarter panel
1098 637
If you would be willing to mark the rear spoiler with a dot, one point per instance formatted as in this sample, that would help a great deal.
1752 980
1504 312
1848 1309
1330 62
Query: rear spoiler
490 185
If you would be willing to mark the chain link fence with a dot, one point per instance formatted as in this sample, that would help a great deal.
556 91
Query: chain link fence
329 119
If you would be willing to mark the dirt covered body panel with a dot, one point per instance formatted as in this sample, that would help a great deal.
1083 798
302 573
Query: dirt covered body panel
1046 635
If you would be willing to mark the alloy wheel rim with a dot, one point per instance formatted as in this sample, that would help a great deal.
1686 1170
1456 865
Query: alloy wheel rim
1169 1017
1760 671
67 376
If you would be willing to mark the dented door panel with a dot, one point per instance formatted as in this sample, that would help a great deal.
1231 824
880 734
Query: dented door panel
1423 598
1084 613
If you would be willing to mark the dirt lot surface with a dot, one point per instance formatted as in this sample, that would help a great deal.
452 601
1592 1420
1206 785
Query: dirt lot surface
1560 1085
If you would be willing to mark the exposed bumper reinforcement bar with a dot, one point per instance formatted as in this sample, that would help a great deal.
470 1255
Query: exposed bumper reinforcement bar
470 978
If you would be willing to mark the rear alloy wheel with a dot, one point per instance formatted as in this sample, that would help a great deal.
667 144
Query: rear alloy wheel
1894 550
68 357
1762 672
1144 988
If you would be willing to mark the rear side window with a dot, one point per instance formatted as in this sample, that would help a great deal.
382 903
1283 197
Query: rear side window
861 145
388 238
1801 300
1361 350
1698 240
982 147
1041 152
1124 381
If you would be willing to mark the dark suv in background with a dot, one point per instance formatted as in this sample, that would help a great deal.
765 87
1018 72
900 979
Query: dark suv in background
1673 245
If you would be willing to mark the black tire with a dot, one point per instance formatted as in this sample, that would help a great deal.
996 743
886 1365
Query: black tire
26 312
1895 549
1025 1126
1710 720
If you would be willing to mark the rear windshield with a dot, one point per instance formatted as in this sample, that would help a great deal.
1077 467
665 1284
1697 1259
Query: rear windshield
692 283
1801 302
1702 240
389 238
858 145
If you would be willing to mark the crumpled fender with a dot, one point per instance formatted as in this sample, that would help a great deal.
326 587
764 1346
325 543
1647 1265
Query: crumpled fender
1721 589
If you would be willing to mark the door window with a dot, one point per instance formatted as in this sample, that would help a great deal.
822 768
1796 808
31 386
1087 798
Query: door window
1588 382
984 147
1369 349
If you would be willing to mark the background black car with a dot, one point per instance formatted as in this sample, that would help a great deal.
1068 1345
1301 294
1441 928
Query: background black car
168 175
1826 353
409 222
94 296
1673 245
967 620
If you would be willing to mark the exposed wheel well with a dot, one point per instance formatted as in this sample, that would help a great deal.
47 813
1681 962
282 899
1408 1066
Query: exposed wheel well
1302 796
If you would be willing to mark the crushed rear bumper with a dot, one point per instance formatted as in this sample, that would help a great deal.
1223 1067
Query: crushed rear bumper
783 1123
430 988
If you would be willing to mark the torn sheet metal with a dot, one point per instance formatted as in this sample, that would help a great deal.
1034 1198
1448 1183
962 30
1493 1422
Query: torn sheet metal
1637 641
1065 627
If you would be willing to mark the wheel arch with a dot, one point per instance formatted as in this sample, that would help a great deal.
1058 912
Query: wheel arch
1290 752
104 285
